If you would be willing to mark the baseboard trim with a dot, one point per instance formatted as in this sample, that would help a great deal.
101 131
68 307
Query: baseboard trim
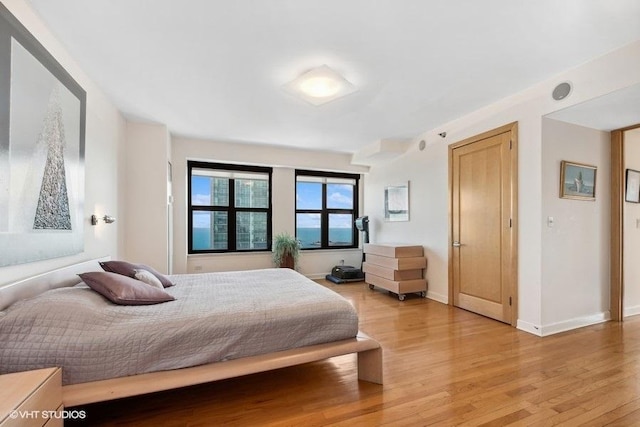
529 327
578 322
444 299
631 311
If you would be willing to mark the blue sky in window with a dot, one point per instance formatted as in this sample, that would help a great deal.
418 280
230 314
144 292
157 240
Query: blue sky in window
200 190
201 196
339 196
309 196
201 220
308 220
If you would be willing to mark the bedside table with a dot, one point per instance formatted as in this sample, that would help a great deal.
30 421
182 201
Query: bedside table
25 396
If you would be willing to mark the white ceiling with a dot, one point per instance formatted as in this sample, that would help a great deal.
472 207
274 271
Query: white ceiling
615 110
215 68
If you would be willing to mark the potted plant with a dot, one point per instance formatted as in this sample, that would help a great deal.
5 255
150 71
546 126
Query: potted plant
286 251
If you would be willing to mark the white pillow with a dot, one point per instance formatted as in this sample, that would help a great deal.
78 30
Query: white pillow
148 278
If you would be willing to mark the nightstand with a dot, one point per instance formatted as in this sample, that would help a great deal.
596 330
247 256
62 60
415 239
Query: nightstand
30 398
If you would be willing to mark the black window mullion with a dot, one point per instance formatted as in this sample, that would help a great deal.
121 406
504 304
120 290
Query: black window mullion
356 212
231 209
189 211
325 212
231 221
324 219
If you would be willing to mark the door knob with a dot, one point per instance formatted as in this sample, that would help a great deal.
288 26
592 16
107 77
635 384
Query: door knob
456 244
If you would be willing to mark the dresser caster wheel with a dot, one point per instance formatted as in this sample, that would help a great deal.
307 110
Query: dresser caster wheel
371 286
401 297
423 294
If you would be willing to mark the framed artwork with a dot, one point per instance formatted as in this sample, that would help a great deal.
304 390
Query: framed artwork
632 191
42 136
396 202
577 181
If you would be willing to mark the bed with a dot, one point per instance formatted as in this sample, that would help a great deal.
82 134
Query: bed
221 325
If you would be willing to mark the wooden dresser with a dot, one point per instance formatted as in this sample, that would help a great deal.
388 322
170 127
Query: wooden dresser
396 268
31 398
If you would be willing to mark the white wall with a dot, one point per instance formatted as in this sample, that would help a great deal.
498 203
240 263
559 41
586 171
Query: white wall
103 151
427 171
284 161
631 230
575 256
148 152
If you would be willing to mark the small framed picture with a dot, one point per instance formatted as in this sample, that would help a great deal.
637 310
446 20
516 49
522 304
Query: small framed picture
396 202
577 181
632 191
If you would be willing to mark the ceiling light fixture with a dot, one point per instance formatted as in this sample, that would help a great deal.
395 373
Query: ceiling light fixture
320 85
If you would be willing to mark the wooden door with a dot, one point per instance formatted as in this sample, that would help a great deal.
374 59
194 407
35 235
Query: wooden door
483 190
617 222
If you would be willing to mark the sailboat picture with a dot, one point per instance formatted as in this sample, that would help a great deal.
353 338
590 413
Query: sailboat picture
577 181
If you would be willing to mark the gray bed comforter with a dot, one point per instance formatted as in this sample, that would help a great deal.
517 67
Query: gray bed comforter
215 317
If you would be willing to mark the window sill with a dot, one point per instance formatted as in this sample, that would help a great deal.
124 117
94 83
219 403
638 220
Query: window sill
269 253
209 254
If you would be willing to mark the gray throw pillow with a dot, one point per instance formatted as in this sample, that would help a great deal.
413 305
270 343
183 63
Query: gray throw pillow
124 290
129 269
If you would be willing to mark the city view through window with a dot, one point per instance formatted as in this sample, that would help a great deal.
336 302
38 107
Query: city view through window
236 211
325 211
230 209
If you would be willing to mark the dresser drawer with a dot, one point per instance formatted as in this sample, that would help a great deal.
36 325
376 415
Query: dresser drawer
393 251
56 422
25 395
398 286
390 273
411 263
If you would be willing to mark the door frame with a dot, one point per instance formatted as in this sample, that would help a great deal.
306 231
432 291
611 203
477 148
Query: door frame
616 271
513 259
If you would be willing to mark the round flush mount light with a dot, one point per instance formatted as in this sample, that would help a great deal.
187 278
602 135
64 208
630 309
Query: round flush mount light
561 91
421 145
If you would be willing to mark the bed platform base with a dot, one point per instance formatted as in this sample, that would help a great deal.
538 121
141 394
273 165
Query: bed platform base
367 349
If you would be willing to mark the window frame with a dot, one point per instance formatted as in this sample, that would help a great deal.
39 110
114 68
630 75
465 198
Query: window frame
231 209
325 212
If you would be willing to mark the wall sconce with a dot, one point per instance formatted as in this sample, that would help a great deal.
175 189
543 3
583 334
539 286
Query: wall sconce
108 219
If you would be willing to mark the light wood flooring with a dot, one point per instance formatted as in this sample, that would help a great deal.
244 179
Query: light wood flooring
443 366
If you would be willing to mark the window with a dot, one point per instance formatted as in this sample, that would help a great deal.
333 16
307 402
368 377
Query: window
229 208
326 207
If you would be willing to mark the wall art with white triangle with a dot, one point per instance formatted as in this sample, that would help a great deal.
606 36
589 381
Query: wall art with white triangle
41 166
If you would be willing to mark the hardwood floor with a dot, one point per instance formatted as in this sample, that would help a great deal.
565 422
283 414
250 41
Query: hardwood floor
443 366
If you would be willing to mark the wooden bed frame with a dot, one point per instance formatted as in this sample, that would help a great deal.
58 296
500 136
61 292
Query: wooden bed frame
368 351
